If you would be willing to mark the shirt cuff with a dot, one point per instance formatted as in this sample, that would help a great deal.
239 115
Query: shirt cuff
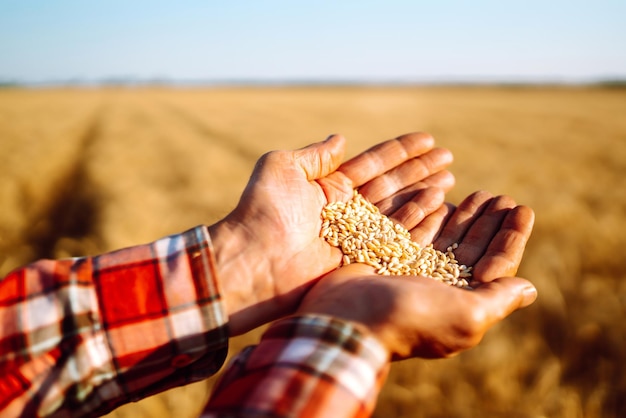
310 365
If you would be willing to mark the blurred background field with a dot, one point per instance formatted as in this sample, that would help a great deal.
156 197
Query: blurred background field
90 170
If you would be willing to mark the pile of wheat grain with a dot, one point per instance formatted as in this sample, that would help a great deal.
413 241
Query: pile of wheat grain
365 235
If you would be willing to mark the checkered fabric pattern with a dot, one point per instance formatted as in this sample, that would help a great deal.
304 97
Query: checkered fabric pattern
307 367
79 337
82 336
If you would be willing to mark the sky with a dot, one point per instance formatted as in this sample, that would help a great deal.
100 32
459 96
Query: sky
320 41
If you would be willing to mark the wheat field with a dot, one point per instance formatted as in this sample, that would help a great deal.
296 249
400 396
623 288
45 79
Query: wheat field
88 170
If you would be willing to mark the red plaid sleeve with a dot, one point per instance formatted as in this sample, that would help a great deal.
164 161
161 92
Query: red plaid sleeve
82 336
306 366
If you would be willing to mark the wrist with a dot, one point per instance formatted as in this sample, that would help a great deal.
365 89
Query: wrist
243 274
373 305
376 330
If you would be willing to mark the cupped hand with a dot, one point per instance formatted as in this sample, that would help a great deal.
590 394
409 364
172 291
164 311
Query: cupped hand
416 316
268 249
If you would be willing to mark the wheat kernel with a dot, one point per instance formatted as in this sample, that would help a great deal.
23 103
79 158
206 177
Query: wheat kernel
367 236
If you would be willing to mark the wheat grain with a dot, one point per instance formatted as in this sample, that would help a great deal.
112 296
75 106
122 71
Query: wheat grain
365 235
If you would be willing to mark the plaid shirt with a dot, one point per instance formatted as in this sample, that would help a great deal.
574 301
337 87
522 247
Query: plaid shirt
305 366
82 336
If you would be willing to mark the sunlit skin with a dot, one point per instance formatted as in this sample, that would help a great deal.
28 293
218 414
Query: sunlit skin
420 317
268 249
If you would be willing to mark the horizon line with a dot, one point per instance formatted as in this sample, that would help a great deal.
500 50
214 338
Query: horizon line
131 81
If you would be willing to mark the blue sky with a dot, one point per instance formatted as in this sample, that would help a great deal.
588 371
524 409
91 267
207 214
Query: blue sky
279 40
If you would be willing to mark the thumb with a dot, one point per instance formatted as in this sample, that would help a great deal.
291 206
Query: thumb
504 295
322 158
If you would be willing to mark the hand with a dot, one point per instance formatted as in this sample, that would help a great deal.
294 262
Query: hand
492 232
418 316
268 249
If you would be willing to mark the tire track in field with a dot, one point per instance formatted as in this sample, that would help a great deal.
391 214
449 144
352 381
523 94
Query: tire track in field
221 139
71 210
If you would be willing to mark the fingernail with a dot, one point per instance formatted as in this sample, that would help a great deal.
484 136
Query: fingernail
529 295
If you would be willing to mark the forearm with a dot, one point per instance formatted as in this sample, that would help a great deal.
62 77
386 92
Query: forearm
87 335
312 365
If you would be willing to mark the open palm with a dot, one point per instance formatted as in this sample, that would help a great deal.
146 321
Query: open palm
279 211
419 317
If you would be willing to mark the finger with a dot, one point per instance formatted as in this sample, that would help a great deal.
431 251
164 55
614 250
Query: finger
336 187
322 158
426 231
443 180
409 172
421 204
384 156
504 254
462 218
375 162
483 229
500 297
